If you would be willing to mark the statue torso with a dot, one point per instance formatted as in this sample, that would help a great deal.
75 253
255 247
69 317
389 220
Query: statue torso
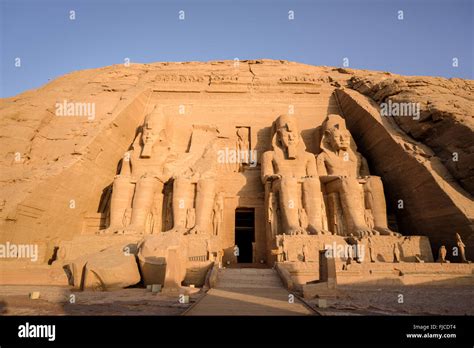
290 167
337 165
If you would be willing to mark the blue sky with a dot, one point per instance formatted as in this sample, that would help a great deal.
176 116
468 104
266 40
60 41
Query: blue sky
323 32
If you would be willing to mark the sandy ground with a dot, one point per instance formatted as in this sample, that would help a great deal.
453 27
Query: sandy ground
351 300
417 300
55 300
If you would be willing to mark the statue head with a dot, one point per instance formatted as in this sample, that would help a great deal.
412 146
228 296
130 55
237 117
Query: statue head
153 130
286 132
335 133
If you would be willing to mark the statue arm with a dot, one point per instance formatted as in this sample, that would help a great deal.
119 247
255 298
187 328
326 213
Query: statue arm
321 165
311 167
267 166
322 170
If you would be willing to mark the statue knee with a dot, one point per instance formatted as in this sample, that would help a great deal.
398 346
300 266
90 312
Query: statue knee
375 180
288 182
206 185
374 184
348 183
181 186
147 184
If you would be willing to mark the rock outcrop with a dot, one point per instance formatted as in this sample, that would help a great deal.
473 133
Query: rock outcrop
446 122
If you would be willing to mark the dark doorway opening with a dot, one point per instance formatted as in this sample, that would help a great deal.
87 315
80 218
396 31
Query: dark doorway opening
244 233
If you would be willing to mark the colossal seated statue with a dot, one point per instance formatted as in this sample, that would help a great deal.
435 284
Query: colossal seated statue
344 172
194 193
289 174
136 205
137 190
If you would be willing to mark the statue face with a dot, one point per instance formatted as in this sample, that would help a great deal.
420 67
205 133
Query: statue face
147 131
287 137
152 135
147 135
340 138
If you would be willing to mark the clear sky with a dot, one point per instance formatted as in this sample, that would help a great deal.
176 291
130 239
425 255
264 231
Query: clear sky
323 32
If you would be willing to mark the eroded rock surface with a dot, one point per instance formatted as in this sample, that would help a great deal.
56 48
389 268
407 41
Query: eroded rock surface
446 122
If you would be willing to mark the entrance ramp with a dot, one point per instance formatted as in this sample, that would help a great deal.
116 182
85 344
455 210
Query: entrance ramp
248 278
249 291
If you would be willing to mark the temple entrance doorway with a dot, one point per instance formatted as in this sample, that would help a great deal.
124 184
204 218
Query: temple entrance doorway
244 234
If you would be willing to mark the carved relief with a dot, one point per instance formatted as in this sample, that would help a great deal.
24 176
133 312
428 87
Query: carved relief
218 214
181 78
298 79
224 78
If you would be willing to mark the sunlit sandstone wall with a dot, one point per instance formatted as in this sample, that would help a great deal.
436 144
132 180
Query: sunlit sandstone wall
226 101
72 158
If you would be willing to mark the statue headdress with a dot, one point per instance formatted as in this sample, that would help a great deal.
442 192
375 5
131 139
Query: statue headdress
290 123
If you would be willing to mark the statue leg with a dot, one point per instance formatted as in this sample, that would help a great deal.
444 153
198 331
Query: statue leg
289 205
205 194
375 200
352 199
183 199
143 202
122 193
312 201
215 225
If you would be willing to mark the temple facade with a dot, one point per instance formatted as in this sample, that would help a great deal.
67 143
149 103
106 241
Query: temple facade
255 164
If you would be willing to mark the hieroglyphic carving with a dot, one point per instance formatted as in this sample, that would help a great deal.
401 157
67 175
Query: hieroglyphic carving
196 78
300 79
181 78
224 78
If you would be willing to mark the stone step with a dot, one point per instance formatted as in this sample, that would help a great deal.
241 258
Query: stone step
249 281
247 270
248 284
248 278
257 275
244 278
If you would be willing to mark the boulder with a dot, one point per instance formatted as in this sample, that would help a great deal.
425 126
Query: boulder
108 269
163 259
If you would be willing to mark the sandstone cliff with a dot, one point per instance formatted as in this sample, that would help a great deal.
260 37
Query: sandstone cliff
54 170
